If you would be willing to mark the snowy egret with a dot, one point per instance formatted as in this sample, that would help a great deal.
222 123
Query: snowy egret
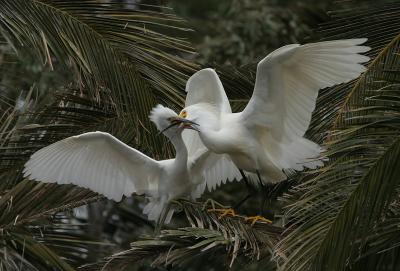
100 162
266 138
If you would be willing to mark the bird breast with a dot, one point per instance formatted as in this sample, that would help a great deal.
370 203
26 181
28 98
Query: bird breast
234 139
176 179
226 138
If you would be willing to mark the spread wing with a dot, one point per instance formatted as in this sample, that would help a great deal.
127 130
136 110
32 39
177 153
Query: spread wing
214 169
205 87
289 78
97 161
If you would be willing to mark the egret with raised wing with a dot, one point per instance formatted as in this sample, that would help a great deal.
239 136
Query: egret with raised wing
267 137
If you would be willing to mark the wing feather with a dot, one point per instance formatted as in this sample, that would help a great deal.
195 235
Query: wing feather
288 81
205 87
285 94
214 169
97 161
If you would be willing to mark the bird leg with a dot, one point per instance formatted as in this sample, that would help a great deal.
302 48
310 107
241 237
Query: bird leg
254 219
264 194
249 191
222 210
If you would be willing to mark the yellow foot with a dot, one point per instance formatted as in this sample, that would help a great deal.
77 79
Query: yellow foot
223 212
254 219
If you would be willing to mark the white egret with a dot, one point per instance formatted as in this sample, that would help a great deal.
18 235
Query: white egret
266 138
100 162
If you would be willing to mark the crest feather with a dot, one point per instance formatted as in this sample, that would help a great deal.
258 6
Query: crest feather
160 115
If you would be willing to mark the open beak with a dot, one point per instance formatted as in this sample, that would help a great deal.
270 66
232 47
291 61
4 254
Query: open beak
188 124
183 123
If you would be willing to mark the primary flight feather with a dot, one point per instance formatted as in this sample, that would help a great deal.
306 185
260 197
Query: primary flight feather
267 137
102 163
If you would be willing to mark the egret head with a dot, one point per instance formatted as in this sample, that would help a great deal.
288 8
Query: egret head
167 121
199 116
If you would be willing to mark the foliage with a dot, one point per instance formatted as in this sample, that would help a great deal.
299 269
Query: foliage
208 234
101 67
67 67
243 31
39 245
345 203
25 204
114 50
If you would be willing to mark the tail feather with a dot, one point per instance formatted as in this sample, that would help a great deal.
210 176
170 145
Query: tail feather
302 153
299 154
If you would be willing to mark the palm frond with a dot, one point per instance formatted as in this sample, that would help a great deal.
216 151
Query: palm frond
206 234
377 22
24 203
123 51
333 214
238 84
24 132
51 243
122 65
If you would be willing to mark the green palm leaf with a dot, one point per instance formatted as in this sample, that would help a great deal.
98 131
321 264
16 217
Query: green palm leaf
206 235
25 203
45 245
348 22
120 64
334 213
122 51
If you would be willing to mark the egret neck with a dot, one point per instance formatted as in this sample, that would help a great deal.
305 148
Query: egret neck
210 133
180 149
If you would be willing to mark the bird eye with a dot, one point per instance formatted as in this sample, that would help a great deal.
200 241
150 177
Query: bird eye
183 114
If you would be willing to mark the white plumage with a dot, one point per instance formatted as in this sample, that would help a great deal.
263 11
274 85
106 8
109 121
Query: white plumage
220 166
102 163
267 136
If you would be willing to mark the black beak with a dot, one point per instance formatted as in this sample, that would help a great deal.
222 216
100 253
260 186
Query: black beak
187 124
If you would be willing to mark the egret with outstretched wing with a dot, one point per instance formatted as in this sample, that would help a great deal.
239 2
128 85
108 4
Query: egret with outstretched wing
100 162
267 137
